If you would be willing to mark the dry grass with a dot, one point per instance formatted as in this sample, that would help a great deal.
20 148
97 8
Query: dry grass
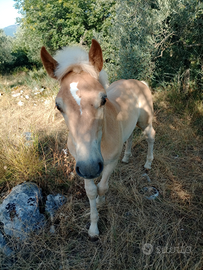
172 223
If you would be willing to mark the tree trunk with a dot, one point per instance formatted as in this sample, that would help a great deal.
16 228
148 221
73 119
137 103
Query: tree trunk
200 76
185 81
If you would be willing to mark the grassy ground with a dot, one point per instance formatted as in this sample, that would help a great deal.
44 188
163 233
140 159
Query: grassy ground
171 224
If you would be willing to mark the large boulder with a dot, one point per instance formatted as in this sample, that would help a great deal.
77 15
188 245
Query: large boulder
19 211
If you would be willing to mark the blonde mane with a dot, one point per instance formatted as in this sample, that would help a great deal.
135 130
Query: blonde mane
76 59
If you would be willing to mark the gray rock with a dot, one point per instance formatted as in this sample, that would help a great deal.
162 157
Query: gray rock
29 137
54 202
19 211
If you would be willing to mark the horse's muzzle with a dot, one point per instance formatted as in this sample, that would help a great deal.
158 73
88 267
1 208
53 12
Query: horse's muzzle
89 170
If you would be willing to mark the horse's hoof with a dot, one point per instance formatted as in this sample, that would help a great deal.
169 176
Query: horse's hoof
147 166
93 232
100 201
125 160
93 238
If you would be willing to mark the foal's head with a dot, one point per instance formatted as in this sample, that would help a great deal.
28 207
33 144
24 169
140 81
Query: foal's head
81 100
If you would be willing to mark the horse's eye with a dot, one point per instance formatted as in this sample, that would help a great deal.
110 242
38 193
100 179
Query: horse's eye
103 100
58 107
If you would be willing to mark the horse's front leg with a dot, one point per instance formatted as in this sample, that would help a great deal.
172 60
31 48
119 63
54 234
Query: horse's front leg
91 191
103 185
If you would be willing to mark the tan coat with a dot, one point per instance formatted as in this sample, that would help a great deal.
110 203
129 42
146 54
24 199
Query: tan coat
99 119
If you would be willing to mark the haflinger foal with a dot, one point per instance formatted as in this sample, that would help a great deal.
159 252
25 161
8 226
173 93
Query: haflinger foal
99 118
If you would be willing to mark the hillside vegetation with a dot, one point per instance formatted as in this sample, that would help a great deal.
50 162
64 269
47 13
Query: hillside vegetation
10 30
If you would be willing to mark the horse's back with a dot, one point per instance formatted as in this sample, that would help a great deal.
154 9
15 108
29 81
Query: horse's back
133 101
134 87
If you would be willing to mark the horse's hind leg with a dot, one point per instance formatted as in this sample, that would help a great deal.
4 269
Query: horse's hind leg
128 146
149 133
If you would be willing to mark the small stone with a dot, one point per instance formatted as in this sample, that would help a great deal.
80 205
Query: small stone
52 229
47 102
65 151
54 202
28 136
20 103
16 95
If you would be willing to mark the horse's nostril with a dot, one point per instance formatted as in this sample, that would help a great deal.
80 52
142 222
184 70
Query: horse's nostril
78 171
100 167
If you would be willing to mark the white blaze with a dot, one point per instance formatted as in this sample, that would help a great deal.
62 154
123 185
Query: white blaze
73 90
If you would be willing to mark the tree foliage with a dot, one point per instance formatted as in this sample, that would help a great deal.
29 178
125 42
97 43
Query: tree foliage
59 23
183 47
5 50
155 40
132 39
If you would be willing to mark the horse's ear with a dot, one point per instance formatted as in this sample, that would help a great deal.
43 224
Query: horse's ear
95 55
49 63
